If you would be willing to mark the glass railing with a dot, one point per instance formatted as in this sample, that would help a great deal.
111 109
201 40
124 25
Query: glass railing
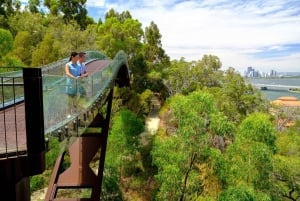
62 111
68 103
66 100
11 86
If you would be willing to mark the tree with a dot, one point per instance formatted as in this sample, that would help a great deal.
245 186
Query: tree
71 10
9 7
6 42
180 154
120 34
248 159
156 58
23 47
286 174
33 23
259 128
45 52
153 50
241 98
237 193
33 6
185 77
123 142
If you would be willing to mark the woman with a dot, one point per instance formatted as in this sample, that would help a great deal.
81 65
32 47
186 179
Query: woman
72 70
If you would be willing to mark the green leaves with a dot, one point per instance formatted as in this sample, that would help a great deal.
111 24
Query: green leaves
6 42
258 127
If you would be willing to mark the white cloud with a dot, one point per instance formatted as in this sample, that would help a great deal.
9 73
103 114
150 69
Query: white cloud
227 29
95 3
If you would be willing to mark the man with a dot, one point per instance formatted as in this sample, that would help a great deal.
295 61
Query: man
81 60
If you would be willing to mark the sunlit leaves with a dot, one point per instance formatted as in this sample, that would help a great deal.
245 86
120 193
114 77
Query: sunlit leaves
258 127
6 42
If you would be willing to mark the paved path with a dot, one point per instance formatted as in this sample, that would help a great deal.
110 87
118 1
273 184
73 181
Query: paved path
152 122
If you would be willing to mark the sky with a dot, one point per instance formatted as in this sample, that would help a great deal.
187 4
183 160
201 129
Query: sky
264 34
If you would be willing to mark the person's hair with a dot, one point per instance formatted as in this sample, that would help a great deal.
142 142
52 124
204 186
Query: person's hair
73 54
81 54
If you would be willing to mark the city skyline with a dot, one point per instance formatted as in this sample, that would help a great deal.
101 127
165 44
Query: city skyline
255 72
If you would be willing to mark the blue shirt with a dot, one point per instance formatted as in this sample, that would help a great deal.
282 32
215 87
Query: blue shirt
82 68
72 87
74 69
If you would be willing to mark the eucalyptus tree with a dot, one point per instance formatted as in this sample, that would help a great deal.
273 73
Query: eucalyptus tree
244 97
185 77
122 32
23 46
123 146
286 174
177 79
156 58
209 70
153 51
33 23
33 6
186 147
6 42
71 10
45 52
6 46
249 159
9 7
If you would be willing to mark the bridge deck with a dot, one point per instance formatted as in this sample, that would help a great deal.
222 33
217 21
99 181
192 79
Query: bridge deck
12 121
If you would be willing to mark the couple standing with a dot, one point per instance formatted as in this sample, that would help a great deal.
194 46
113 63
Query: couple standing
74 69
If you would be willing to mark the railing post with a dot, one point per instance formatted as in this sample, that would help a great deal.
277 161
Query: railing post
34 115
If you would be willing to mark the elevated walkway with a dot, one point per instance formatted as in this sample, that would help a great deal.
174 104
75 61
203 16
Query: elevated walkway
34 106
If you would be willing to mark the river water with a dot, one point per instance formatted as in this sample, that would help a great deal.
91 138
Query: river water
275 94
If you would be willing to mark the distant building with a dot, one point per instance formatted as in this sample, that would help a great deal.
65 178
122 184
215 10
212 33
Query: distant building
251 72
273 73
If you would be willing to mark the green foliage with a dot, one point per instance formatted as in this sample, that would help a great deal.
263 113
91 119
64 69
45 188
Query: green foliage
52 154
242 192
248 162
237 99
221 125
6 42
153 51
45 53
288 143
110 187
37 182
258 127
249 158
286 174
123 142
22 46
178 170
70 10
11 61
119 34
237 193
171 167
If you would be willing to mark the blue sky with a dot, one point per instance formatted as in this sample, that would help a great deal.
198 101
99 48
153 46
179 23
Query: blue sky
264 34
